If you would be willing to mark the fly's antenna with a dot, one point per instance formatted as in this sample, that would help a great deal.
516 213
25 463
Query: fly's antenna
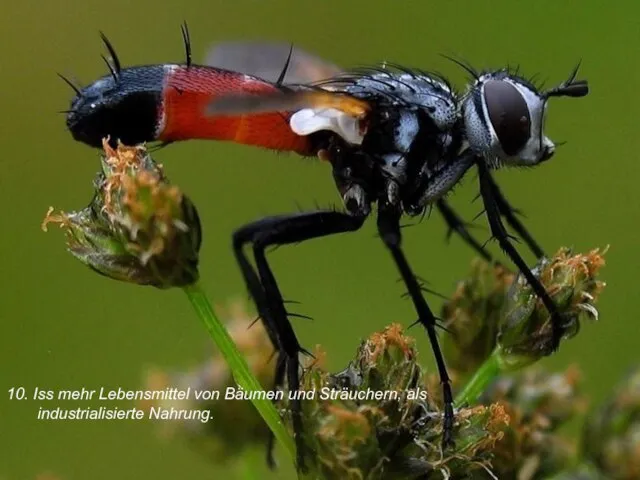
71 84
570 87
186 39
283 73
464 65
113 65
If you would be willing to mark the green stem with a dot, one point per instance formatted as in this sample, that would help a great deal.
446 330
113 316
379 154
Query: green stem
488 371
238 365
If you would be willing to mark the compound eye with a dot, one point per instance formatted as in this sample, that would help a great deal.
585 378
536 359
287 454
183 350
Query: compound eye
509 115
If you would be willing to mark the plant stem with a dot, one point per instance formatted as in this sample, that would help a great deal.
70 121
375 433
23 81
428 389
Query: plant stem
238 365
478 383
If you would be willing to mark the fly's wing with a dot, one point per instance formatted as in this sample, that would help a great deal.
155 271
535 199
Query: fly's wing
267 60
314 109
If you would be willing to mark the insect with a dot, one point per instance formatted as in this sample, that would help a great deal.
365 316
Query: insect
396 138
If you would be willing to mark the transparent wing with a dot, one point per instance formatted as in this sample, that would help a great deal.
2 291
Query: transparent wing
267 60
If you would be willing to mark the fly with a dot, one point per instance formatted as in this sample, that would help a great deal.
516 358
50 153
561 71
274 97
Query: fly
397 138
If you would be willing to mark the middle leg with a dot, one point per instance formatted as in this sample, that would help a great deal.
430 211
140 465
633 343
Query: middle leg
389 229
457 225
509 214
493 212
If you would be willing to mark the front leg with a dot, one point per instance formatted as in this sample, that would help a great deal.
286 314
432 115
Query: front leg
498 230
509 214
389 229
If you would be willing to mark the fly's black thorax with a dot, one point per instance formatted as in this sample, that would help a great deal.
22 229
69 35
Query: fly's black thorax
432 151
411 133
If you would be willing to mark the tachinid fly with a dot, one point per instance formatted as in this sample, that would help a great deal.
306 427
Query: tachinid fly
396 137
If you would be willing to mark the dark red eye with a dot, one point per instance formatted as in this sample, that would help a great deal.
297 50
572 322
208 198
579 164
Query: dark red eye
509 115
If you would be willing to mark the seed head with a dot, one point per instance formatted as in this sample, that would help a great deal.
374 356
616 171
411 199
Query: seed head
399 435
525 334
473 314
138 228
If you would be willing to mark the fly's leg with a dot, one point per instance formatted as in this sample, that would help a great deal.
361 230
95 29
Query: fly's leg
389 229
492 209
457 225
252 281
283 230
509 214
241 237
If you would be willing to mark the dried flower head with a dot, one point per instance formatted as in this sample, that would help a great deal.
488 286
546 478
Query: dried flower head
138 228
525 334
473 314
496 308
375 420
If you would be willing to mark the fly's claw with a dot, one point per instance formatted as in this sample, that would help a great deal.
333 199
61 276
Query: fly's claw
447 430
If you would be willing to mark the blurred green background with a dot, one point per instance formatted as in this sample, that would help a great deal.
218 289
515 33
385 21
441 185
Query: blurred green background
64 326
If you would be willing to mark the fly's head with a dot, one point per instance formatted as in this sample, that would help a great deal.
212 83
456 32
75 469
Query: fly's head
504 117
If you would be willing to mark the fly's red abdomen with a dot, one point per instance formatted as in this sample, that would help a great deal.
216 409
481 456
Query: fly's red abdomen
187 92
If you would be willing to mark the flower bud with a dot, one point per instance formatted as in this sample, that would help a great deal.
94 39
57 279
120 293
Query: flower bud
375 420
472 315
138 228
526 333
